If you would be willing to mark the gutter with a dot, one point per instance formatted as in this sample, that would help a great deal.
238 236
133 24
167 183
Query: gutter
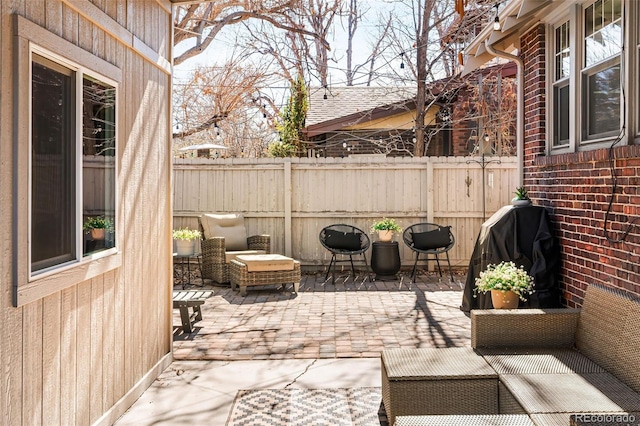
520 116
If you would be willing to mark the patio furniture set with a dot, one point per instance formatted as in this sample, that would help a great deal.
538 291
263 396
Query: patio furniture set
345 241
526 366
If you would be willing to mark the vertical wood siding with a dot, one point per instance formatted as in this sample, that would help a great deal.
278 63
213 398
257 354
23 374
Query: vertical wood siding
69 357
356 191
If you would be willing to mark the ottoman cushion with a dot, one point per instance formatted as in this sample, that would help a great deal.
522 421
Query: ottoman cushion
266 262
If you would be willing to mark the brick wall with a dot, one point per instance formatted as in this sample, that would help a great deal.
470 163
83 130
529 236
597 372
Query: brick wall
577 188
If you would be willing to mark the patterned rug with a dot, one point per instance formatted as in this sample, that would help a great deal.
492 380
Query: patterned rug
305 407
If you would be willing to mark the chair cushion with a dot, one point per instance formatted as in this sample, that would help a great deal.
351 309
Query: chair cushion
229 226
342 240
230 255
431 239
266 262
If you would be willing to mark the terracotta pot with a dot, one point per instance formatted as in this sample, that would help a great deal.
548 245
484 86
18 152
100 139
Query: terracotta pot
504 299
97 233
185 247
385 235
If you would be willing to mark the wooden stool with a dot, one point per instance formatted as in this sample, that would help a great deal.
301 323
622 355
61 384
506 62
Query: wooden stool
183 300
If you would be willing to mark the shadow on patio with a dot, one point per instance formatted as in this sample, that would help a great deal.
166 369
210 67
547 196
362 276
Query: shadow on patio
351 319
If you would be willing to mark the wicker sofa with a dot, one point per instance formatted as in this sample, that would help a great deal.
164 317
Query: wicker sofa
559 366
563 361
224 238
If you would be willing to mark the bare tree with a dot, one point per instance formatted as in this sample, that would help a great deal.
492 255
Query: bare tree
377 46
201 23
213 95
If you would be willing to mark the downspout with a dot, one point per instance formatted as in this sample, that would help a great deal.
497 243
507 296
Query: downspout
520 116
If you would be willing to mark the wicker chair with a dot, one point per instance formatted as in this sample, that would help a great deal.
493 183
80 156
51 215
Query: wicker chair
429 239
224 238
344 240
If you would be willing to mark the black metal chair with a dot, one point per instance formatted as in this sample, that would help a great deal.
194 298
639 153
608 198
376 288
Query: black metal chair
344 240
429 239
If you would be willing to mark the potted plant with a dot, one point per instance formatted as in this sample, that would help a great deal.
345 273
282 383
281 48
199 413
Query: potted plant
507 282
186 240
521 197
97 226
385 228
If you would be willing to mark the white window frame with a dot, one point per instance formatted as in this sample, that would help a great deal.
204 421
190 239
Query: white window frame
578 138
31 38
559 83
80 73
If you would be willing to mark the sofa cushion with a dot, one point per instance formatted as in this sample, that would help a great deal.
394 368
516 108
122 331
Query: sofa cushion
229 226
431 239
266 262
599 336
342 240
539 361
571 393
230 255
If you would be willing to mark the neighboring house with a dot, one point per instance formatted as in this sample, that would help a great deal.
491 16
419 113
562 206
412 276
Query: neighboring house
343 121
85 117
579 128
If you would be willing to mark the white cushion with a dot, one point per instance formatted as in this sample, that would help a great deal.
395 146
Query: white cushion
229 226
266 262
229 255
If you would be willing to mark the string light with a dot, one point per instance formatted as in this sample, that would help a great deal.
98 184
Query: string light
496 21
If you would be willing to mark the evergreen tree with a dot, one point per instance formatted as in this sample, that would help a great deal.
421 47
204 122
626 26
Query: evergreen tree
293 115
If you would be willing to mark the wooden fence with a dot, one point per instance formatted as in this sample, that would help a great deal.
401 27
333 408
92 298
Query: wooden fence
293 199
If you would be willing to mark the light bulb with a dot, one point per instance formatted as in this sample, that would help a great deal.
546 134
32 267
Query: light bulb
496 24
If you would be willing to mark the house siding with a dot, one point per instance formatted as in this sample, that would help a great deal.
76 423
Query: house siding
83 353
576 188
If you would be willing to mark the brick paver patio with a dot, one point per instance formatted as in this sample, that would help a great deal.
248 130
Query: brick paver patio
351 319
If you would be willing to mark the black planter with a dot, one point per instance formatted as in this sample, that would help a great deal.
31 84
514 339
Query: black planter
385 259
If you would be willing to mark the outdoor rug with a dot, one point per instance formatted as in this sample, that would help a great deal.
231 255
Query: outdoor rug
306 407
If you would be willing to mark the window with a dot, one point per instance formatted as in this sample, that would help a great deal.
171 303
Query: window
601 73
562 61
586 75
72 159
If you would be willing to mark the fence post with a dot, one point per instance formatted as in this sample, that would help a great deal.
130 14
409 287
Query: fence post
430 190
288 194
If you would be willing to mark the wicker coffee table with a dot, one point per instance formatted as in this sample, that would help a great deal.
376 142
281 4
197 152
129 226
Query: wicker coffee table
437 381
264 269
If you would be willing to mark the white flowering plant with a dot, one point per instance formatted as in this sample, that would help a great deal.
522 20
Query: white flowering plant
186 234
505 276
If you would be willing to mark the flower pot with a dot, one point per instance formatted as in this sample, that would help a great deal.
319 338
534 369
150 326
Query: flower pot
385 235
185 247
97 233
504 299
517 202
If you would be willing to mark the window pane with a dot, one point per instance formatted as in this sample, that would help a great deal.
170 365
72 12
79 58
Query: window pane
561 115
603 38
563 52
98 147
603 101
52 165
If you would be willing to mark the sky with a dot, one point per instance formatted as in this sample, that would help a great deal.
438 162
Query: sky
224 43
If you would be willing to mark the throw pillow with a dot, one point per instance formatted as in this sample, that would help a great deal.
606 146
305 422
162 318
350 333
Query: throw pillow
229 226
431 239
342 240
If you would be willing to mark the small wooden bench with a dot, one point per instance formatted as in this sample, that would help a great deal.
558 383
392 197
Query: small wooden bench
186 299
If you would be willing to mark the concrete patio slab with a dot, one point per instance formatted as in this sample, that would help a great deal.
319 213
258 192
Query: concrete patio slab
326 336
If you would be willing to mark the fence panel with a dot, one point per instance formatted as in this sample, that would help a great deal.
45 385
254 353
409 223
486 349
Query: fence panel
293 199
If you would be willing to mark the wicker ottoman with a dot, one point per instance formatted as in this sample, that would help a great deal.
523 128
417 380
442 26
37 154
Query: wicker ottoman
263 269
437 381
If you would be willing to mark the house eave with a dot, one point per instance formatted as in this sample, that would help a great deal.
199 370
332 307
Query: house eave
515 18
358 118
